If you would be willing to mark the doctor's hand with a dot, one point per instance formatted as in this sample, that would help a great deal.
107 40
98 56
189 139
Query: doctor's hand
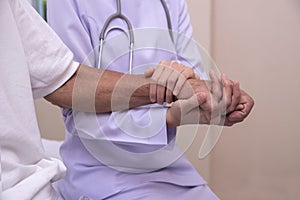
183 112
192 111
221 96
239 105
200 109
167 80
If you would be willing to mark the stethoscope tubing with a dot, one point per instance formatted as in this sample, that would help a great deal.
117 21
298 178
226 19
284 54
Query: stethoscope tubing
119 15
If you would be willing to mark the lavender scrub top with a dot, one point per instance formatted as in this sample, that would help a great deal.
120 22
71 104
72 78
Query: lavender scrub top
122 155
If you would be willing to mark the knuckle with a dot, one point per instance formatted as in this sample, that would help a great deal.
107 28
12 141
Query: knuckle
173 62
163 62
161 82
190 70
171 82
175 65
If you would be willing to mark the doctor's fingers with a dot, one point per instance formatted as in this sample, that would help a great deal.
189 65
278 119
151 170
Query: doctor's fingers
231 94
187 72
199 110
221 97
168 80
158 85
165 78
153 85
214 106
243 109
191 112
180 74
172 80
176 79
165 85
216 117
213 109
197 115
183 73
216 88
236 97
162 87
182 78
226 122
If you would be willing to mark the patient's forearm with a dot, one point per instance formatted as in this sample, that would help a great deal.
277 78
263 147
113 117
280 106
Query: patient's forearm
101 91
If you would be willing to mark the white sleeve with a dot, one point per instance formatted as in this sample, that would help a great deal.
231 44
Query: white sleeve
50 61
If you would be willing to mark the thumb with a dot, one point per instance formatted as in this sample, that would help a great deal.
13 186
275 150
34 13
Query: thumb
194 101
190 110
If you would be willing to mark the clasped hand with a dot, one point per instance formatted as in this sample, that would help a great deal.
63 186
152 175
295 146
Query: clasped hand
218 101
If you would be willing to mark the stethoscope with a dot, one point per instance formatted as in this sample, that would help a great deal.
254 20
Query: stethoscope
119 15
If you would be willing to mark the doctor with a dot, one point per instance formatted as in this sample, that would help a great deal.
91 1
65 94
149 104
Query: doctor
34 63
79 24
